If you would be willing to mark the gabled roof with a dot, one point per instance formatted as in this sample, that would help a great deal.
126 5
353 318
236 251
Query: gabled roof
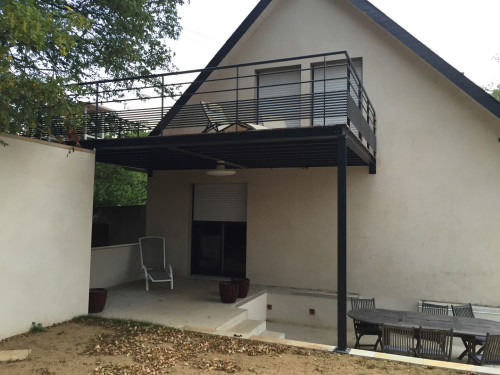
458 78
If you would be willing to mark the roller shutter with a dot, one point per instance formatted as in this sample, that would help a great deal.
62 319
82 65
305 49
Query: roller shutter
220 202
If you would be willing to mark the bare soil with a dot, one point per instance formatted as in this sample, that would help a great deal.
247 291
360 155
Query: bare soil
94 346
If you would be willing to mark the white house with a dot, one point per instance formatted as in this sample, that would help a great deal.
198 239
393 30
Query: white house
372 169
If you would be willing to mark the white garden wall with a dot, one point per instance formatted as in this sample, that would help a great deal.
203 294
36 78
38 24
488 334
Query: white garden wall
115 265
45 232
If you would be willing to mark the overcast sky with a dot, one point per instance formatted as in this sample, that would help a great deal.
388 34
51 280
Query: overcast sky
466 33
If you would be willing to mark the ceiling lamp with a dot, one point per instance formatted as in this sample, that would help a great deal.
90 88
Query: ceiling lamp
220 170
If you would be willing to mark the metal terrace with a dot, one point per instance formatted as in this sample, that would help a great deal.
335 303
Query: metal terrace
268 114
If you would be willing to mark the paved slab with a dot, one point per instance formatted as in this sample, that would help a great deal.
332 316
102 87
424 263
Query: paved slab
14 355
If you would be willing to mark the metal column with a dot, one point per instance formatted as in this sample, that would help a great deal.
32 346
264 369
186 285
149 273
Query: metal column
342 246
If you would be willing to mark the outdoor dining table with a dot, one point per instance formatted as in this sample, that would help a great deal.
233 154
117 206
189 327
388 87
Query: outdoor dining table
465 328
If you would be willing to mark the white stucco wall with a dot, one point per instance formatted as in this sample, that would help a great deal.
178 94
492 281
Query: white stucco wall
426 226
115 265
45 233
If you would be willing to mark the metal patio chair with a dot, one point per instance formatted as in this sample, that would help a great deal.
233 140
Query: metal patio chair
491 352
218 122
398 340
365 329
434 309
153 261
466 311
434 344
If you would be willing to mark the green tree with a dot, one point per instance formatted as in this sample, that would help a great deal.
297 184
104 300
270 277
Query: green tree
496 93
48 47
115 186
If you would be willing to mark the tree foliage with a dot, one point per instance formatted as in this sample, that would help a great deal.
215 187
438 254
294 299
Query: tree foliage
48 47
496 93
115 186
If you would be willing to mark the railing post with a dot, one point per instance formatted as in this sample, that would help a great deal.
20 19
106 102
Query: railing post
162 94
237 96
96 109
368 111
360 96
348 88
324 90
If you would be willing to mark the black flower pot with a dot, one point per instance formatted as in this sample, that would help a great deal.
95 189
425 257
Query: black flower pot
228 291
244 285
97 299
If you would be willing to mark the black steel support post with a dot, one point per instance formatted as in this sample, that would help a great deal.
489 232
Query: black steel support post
342 246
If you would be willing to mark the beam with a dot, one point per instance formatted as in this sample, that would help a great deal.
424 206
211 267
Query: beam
342 246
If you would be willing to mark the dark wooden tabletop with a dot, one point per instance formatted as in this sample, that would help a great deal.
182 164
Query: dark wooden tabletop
461 326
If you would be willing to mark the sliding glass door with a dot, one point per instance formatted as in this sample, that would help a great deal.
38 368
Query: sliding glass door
219 230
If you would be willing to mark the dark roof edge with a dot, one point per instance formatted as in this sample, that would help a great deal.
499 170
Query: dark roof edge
216 60
458 78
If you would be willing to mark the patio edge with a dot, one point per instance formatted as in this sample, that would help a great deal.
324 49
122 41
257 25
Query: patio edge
391 357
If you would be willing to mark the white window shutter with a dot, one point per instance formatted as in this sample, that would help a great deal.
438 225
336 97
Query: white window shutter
279 96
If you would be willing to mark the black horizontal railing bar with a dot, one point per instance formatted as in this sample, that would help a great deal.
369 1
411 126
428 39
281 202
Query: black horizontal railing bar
228 78
198 92
292 106
214 68
326 65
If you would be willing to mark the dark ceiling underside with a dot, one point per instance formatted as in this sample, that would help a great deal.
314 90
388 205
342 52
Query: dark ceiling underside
280 148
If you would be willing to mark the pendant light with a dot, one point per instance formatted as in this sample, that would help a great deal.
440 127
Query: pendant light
220 170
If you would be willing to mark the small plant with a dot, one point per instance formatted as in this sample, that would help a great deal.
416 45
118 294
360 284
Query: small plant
36 327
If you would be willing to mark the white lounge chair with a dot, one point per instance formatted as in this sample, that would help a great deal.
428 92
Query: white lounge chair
218 122
153 261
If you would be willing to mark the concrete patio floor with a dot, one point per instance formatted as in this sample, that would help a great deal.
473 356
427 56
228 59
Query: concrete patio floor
194 304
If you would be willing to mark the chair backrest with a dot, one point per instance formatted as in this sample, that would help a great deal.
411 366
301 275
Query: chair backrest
152 251
430 308
435 344
362 303
463 310
215 114
398 340
491 351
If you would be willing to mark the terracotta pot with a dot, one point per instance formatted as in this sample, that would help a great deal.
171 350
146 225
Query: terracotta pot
97 299
244 285
228 291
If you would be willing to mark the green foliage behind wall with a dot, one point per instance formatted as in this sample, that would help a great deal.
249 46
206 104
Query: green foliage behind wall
115 186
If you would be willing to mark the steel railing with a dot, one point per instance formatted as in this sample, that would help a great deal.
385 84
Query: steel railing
313 90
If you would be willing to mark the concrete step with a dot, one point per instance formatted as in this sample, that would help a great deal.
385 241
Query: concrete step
273 334
247 328
239 316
